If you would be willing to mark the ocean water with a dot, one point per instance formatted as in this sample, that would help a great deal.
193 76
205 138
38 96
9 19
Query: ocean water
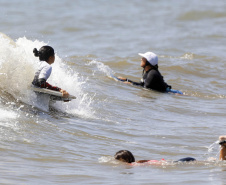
74 142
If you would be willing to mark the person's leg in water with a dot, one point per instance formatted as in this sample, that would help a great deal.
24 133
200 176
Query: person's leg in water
186 159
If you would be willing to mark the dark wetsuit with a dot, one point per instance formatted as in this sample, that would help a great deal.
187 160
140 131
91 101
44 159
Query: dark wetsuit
152 79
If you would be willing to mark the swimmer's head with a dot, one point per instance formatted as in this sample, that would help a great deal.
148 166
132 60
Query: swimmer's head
124 156
44 53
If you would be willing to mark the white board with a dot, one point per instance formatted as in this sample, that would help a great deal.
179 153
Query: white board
54 95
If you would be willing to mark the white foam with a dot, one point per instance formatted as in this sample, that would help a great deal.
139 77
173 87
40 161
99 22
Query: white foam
6 115
107 159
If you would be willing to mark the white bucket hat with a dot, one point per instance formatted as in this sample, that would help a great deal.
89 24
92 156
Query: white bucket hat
152 58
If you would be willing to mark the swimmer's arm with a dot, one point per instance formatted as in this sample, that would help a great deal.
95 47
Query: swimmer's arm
128 81
142 161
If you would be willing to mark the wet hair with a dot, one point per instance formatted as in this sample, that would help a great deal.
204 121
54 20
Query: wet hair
124 156
154 67
44 53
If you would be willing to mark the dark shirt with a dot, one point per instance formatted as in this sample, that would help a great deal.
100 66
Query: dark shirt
152 79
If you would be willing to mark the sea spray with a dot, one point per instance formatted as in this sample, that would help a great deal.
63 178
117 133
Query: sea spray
102 67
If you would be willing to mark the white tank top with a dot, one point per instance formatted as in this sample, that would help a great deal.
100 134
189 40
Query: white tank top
44 70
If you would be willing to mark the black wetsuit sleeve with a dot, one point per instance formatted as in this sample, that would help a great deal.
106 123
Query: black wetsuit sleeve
136 83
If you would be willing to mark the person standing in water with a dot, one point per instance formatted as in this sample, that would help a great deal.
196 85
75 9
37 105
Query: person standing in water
151 78
222 142
47 57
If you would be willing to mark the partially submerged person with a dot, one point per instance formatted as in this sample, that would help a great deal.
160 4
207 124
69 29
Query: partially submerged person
222 142
47 57
127 156
151 77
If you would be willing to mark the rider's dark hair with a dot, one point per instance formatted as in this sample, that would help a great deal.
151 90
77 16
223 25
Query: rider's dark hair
44 53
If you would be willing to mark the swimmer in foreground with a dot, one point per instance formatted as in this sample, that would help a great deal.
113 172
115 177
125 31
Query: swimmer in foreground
47 57
127 156
151 77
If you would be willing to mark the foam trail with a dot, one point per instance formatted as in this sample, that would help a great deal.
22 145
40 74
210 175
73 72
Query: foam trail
17 69
102 67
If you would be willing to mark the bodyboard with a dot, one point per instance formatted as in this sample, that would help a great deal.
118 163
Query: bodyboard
115 78
54 95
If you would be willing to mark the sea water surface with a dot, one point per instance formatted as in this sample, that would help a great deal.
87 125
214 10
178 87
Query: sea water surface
74 142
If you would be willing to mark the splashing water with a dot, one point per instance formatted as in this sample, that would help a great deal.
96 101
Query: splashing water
17 69
212 155
102 68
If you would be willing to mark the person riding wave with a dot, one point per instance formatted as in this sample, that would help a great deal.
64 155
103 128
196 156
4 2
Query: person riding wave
47 57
